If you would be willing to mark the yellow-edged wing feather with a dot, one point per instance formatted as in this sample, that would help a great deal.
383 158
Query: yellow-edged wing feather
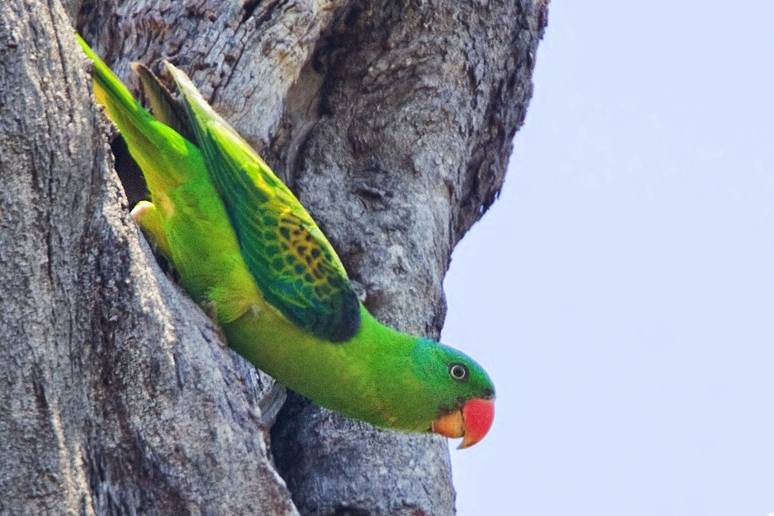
293 263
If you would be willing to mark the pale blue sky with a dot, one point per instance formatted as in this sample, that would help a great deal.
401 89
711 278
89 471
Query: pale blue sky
621 291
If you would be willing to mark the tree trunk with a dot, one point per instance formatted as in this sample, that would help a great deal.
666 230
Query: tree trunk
392 121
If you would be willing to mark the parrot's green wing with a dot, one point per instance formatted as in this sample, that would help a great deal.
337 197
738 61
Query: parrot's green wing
293 263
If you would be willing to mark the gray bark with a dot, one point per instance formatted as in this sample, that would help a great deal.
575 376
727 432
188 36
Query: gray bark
391 120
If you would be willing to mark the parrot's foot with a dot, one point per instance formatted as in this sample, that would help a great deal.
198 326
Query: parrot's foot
147 216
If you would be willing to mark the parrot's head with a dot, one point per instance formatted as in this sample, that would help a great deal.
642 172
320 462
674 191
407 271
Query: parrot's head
462 394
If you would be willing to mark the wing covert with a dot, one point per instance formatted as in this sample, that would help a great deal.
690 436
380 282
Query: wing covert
292 262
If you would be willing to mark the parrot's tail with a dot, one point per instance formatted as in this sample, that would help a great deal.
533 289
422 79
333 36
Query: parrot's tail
161 152
109 89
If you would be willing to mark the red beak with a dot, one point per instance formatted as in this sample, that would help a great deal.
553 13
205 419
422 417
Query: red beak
471 423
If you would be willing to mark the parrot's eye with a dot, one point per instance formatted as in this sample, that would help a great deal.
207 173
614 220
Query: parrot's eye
458 371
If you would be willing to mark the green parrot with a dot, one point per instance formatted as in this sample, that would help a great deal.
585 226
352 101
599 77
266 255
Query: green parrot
246 249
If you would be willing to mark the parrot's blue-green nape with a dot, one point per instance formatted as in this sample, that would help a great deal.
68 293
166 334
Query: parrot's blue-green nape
245 247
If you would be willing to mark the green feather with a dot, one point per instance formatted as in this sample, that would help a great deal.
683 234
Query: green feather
162 104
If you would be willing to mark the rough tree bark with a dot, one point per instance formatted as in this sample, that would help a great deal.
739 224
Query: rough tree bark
392 120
